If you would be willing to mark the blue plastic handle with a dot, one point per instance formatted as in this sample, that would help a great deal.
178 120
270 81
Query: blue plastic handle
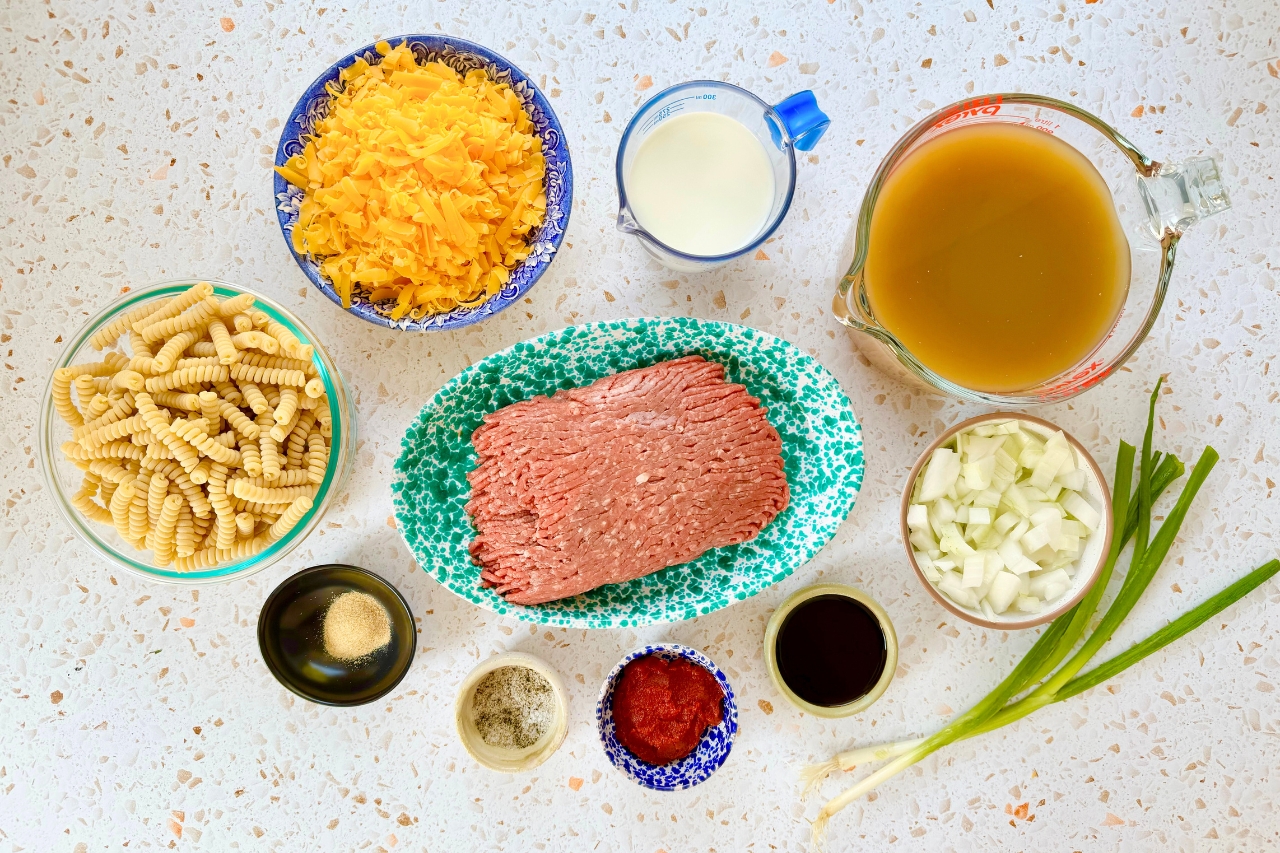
805 123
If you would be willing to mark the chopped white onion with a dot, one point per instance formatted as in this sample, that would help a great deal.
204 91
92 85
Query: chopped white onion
997 519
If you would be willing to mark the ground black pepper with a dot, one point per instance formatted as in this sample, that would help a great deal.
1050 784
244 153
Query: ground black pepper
513 707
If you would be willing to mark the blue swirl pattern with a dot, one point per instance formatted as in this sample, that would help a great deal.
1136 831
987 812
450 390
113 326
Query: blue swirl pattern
462 56
694 768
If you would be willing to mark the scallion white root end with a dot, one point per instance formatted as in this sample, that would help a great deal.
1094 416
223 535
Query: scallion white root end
814 774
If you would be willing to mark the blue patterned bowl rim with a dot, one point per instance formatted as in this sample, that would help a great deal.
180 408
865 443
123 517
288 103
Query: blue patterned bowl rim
696 767
461 55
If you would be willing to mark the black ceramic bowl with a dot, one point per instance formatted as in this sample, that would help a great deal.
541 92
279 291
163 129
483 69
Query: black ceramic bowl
290 636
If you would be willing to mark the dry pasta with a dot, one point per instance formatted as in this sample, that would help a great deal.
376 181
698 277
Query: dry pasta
211 411
289 343
158 489
139 516
221 340
284 415
268 375
269 448
296 448
186 321
300 506
110 333
202 361
185 533
174 306
173 431
61 393
229 392
188 376
257 340
254 397
246 490
200 474
119 410
200 439
317 457
257 359
297 477
98 406
238 420
250 458
184 400
168 354
237 304
121 500
162 535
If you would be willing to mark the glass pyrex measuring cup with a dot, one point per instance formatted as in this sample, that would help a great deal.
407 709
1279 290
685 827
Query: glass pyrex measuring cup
1155 202
794 124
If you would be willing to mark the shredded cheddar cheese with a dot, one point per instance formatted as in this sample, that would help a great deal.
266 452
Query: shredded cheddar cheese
421 185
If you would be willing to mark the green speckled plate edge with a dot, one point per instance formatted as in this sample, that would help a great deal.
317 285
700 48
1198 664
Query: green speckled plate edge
822 452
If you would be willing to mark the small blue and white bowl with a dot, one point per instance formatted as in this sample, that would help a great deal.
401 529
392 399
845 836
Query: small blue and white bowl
462 56
698 765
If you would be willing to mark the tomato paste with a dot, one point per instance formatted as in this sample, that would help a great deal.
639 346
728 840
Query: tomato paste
662 707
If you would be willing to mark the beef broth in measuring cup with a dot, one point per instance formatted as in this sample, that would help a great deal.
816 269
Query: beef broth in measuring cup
1014 250
997 257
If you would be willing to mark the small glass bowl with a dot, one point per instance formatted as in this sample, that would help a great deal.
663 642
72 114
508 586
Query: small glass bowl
63 478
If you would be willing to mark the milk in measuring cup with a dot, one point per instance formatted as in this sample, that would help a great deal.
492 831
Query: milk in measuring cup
702 184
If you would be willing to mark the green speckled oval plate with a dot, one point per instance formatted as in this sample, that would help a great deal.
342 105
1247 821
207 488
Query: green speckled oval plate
821 450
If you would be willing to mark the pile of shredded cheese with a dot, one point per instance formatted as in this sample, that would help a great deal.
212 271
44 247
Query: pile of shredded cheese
420 185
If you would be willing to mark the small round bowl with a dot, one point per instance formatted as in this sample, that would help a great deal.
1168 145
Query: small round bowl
1091 559
291 637
462 56
890 649
63 479
694 768
495 757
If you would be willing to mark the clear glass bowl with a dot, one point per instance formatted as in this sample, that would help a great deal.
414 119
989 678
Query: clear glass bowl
63 478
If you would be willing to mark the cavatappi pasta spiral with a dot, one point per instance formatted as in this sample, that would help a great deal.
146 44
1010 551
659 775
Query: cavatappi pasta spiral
208 440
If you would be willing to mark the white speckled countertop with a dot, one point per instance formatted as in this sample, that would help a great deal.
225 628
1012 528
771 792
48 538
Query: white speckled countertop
136 138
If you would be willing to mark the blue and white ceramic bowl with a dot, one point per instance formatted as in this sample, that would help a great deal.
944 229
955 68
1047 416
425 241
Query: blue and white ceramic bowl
694 768
462 56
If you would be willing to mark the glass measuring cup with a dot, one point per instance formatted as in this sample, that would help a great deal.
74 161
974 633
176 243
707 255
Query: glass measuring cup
1155 202
793 124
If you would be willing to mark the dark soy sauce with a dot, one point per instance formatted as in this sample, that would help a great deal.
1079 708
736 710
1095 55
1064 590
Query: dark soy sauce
830 650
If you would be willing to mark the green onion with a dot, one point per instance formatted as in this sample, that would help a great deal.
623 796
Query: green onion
1131 519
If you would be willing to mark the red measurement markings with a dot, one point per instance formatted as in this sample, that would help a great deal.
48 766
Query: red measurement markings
977 108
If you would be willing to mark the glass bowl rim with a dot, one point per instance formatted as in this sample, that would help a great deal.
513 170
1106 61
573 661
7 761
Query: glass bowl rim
341 446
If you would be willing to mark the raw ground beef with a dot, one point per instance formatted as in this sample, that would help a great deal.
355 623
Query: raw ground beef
636 472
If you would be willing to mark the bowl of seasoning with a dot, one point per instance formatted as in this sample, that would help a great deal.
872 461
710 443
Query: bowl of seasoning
337 635
512 712
667 717
831 650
